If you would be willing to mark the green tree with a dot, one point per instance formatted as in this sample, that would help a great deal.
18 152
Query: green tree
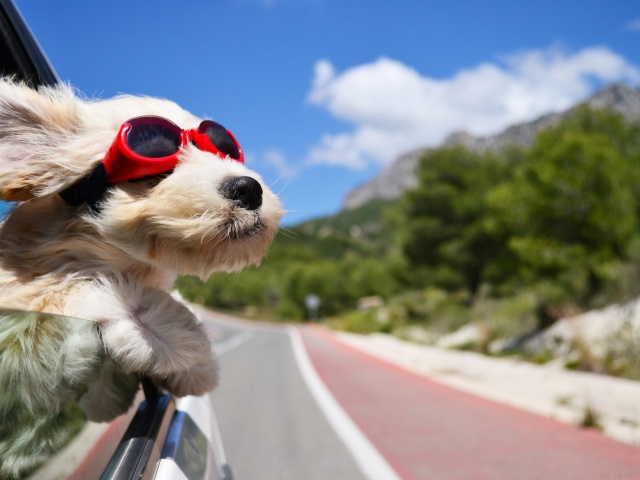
570 212
443 229
325 279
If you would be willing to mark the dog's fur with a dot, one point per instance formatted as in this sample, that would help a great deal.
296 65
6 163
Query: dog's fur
113 267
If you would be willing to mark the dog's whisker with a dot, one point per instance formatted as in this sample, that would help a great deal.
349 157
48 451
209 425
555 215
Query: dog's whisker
279 192
287 233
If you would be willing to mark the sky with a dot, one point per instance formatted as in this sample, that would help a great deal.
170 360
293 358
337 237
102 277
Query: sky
323 94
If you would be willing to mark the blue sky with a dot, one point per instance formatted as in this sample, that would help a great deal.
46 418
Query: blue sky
322 94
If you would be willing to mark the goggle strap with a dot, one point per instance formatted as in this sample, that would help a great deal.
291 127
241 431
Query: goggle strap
88 189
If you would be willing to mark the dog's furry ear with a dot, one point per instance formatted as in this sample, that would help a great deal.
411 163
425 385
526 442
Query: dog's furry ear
37 133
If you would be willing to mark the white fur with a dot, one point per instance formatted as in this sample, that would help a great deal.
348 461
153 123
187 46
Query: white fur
114 268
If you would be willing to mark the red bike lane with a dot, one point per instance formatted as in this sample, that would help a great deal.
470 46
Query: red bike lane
426 430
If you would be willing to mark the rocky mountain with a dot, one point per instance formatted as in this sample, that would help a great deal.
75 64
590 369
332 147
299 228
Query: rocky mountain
400 174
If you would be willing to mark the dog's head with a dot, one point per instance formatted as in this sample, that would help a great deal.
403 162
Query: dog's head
206 214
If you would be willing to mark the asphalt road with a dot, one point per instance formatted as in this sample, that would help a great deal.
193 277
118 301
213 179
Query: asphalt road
273 428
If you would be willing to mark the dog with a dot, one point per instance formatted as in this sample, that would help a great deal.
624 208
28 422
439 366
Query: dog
98 234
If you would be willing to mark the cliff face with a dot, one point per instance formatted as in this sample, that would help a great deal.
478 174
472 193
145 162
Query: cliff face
400 174
389 184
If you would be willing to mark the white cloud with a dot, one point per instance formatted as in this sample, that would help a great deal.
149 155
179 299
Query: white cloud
276 160
394 108
634 25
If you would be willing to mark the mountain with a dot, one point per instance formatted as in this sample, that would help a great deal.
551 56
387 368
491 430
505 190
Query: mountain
356 231
400 174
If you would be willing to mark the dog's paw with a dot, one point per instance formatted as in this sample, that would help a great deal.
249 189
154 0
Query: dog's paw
198 380
112 394
145 330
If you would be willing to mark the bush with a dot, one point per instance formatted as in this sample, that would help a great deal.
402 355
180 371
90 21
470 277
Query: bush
431 308
508 317
369 321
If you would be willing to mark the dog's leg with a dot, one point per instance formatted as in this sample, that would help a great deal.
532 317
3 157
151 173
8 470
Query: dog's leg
198 380
144 330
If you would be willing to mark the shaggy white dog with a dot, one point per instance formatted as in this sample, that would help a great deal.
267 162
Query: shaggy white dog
112 260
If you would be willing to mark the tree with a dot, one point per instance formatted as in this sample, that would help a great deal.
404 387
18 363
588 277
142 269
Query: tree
443 228
570 212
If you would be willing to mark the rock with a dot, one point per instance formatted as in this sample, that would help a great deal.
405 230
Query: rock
612 329
471 334
389 185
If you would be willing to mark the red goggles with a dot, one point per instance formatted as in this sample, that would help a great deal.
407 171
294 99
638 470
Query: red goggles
146 146
150 145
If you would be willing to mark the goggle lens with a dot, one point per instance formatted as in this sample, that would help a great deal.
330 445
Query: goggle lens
220 138
151 138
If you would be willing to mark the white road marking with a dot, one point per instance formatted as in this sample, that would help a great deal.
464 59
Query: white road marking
372 464
233 342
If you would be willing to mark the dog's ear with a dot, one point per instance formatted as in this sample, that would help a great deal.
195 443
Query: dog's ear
38 130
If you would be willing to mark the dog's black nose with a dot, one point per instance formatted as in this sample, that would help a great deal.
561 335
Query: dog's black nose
245 191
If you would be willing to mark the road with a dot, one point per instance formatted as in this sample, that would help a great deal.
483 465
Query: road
271 426
275 423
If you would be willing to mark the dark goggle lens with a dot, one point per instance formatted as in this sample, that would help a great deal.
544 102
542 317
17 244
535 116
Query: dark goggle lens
153 139
220 138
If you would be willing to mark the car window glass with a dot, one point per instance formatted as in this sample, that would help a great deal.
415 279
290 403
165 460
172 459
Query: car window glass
44 362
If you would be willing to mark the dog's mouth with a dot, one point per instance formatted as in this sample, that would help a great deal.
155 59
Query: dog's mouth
241 228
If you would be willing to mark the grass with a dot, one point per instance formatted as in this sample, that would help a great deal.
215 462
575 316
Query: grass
591 419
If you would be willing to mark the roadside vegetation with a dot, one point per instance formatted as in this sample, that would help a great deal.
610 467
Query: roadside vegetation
509 241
